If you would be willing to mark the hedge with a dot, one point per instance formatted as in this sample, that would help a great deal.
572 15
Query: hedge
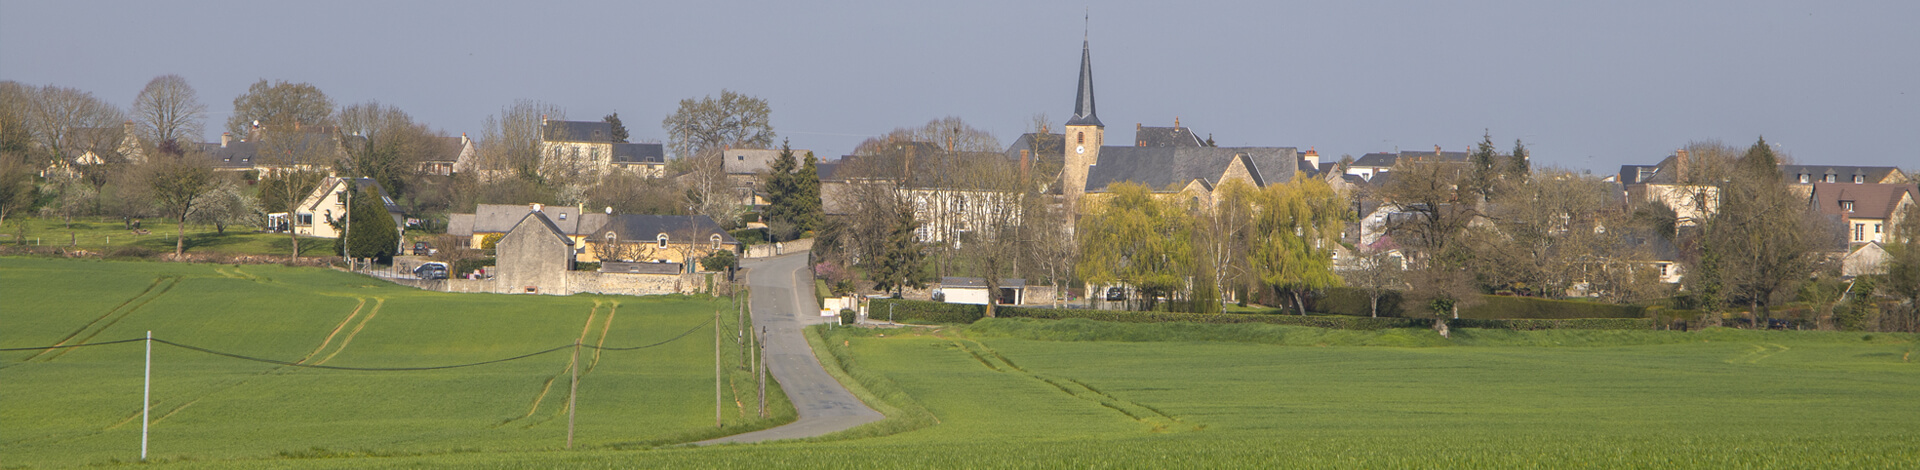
1555 324
1352 301
1339 322
921 311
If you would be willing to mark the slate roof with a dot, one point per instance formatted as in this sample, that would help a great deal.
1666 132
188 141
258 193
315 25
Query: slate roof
1052 148
1162 167
1166 137
635 154
750 161
446 149
640 268
1385 160
1843 174
543 223
577 131
500 218
827 170
647 228
1083 112
1870 201
234 156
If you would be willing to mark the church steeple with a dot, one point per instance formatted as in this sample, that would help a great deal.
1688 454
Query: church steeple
1083 114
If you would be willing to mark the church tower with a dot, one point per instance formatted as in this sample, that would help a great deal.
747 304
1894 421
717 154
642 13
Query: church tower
1084 133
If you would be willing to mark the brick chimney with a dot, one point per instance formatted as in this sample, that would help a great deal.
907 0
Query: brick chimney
225 138
1680 166
1312 157
1025 157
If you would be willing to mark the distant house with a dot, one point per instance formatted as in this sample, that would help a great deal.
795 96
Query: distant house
1868 258
973 290
1373 164
446 155
498 219
746 167
534 257
87 146
648 160
1867 211
1669 183
658 238
328 202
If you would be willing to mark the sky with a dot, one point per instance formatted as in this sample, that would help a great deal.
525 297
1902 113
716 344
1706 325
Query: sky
1587 85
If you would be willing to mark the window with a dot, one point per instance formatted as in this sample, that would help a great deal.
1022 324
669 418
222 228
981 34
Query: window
563 216
1829 178
306 219
1663 269
1858 179
1859 232
1804 178
1846 206
716 240
1876 228
662 239
1081 137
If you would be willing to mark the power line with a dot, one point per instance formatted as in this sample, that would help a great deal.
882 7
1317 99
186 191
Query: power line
374 369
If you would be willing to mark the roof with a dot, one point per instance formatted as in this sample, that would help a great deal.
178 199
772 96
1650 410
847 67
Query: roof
1162 167
576 131
460 224
1843 174
446 149
500 218
827 170
750 161
1385 160
1870 201
634 154
639 268
1083 113
1050 147
647 228
540 222
977 282
233 156
1166 137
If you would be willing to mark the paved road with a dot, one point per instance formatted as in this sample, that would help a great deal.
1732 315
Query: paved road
783 302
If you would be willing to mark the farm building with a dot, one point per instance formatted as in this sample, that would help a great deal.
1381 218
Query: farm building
973 290
535 257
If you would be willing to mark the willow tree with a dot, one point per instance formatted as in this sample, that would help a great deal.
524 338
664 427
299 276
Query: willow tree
1296 231
1134 238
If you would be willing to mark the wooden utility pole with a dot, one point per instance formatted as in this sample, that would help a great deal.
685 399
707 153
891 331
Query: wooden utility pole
573 393
741 336
716 368
761 373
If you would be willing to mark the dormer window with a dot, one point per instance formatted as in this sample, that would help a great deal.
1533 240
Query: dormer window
1846 206
1859 179
716 241
1804 178
1830 178
662 239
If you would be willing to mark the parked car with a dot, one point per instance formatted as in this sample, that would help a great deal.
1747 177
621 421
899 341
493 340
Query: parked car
431 271
424 249
1116 294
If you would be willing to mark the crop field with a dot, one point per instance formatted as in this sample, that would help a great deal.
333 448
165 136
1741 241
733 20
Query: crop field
104 235
1017 393
81 406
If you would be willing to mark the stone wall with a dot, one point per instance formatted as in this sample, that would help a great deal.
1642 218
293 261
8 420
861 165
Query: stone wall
767 250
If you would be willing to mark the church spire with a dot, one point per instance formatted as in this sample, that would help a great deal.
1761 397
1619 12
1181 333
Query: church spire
1083 101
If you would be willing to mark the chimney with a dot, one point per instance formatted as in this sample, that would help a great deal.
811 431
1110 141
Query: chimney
1137 126
1436 150
1024 158
536 207
1176 122
1680 166
1312 157
225 138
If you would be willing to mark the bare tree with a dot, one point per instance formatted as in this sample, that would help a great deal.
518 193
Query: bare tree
55 113
512 145
384 143
280 104
178 183
169 110
1378 273
734 120
227 204
16 186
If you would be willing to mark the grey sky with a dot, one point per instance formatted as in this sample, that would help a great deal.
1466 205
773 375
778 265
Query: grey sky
1586 85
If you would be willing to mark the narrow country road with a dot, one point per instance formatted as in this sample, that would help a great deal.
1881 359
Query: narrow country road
783 303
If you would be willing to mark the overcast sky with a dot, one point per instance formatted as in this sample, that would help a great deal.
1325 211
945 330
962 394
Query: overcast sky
1588 86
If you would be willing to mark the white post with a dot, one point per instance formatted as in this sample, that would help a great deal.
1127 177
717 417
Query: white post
146 397
346 248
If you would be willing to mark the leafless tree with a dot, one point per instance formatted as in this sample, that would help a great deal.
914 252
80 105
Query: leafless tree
178 184
1378 273
168 110
279 104
512 145
734 120
55 114
384 143
227 204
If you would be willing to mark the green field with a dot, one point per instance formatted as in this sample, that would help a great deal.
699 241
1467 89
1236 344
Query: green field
1016 393
104 235
82 407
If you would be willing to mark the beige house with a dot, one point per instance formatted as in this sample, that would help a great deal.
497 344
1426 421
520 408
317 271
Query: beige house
1669 183
328 202
588 148
1868 211
746 167
497 219
641 238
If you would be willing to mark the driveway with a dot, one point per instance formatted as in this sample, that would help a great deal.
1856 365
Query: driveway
783 303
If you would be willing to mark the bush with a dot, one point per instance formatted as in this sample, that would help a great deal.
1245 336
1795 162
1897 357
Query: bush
462 267
130 251
921 311
718 261
586 266
1556 324
1340 322
847 316
1353 301
1503 307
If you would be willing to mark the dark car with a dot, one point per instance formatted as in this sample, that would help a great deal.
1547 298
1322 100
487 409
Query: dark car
422 249
1115 294
431 271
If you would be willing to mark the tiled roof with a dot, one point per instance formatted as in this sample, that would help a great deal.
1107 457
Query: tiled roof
540 220
1842 174
1870 201
499 218
1384 160
1166 137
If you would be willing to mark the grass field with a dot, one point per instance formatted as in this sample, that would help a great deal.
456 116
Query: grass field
106 234
81 406
1015 393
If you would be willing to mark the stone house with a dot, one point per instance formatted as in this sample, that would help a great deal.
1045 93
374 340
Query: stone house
658 238
446 155
535 257
498 219
1867 211
589 148
328 202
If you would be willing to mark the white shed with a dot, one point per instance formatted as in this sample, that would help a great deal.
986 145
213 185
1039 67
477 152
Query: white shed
973 290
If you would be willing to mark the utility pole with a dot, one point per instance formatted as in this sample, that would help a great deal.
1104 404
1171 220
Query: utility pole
716 368
573 394
346 246
741 336
761 374
146 397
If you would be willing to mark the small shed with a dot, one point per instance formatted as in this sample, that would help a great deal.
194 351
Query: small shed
534 257
973 290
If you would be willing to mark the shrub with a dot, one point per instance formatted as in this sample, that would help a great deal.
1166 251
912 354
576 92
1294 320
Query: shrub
1502 307
130 251
1341 322
464 266
718 261
1353 301
1556 324
921 311
586 266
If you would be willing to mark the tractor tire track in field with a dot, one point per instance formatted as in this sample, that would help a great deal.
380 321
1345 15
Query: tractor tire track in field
377 302
111 318
336 332
546 386
1154 418
1760 351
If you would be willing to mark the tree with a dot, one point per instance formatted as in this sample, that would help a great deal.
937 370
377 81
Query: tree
1519 164
782 190
1377 273
169 110
1226 232
55 114
619 129
227 204
372 234
511 145
283 191
177 184
277 104
17 191
1131 237
1295 232
733 121
808 212
16 133
1903 267
899 264
390 145
1764 243
628 193
1485 170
